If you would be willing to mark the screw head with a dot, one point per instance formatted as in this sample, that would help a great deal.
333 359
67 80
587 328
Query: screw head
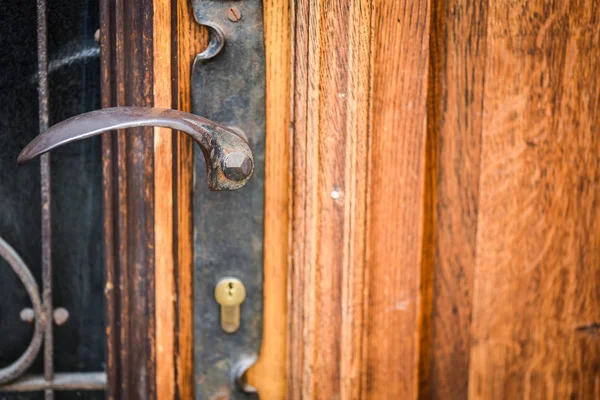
234 14
237 166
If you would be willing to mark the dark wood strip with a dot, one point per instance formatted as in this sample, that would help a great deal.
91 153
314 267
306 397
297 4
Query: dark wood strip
457 67
111 292
126 34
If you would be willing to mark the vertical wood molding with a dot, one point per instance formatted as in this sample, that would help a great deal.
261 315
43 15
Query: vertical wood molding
400 57
458 54
537 281
113 366
163 200
269 373
330 120
127 78
360 92
189 39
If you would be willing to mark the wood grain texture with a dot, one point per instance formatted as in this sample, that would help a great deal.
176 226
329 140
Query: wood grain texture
458 54
400 56
537 281
189 40
269 373
330 127
164 271
126 37
113 367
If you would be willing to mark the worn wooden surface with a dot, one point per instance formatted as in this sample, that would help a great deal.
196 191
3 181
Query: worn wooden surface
537 280
517 283
269 374
164 269
355 311
126 35
400 51
481 275
178 38
113 367
330 127
458 54
189 39
146 47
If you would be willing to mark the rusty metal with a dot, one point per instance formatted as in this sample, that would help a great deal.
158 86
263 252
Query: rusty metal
216 42
234 14
18 367
11 379
217 142
61 381
237 165
44 116
229 87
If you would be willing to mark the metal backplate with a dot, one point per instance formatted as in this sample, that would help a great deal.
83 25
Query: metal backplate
228 86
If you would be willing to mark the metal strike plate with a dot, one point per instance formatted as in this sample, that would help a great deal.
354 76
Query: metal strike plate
228 86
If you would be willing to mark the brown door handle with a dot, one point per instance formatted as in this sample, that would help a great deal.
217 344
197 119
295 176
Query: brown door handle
229 160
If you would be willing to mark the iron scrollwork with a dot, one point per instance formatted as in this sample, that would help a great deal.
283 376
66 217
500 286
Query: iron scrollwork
17 368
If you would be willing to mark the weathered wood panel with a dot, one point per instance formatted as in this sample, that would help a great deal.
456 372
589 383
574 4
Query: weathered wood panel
360 74
189 39
537 281
126 43
458 54
330 120
146 48
164 269
400 51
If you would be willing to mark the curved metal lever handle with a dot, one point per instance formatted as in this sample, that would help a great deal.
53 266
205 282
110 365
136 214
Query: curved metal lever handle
229 160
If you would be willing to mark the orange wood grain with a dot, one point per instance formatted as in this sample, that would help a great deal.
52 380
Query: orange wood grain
190 39
163 207
330 128
537 281
458 54
400 56
269 373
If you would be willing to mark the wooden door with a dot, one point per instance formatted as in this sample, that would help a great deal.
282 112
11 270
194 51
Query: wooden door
431 186
443 219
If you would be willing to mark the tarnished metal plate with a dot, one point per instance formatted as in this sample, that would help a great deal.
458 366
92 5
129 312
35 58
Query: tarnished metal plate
228 86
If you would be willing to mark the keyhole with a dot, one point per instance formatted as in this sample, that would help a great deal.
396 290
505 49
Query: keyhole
231 289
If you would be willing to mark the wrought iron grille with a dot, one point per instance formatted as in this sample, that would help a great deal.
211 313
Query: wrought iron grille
42 314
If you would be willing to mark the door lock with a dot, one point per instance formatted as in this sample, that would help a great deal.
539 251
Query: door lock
230 293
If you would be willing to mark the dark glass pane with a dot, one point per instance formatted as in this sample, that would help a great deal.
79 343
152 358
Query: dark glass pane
19 186
77 224
78 254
